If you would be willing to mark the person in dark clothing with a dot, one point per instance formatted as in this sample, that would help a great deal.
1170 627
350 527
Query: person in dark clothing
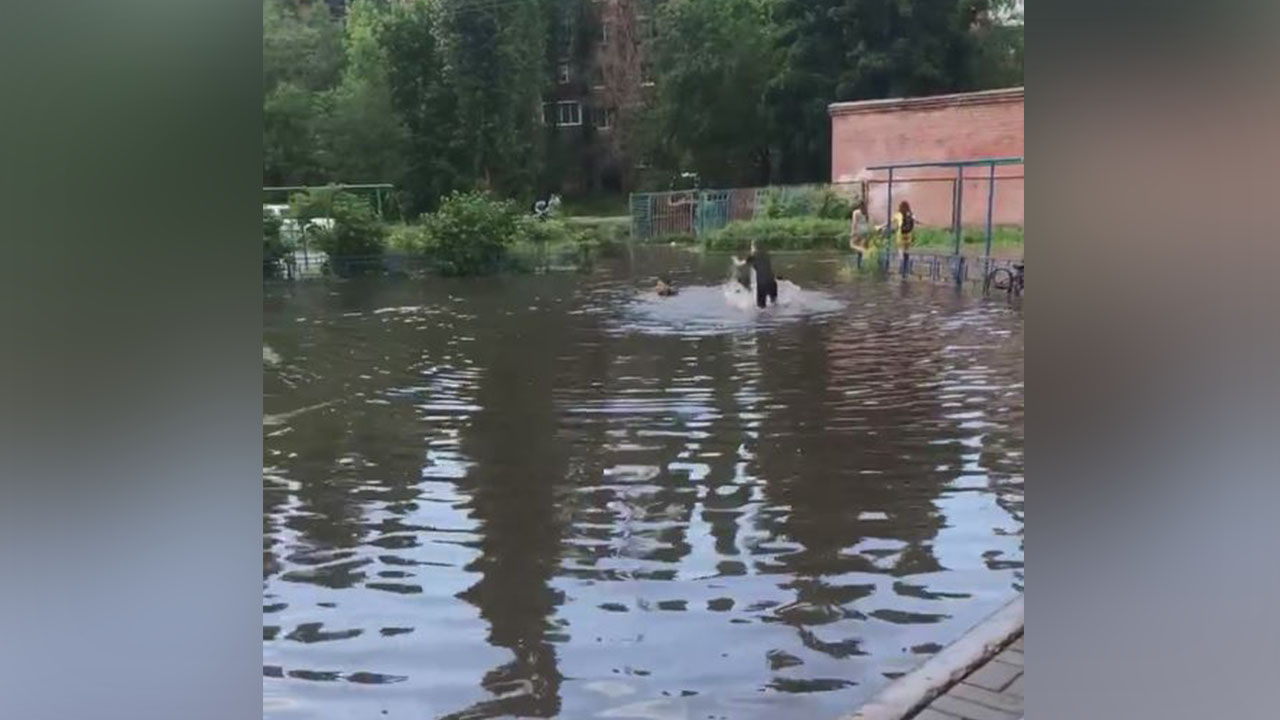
766 283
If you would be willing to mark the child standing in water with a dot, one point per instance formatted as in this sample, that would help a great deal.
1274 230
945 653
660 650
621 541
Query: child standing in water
766 283
860 229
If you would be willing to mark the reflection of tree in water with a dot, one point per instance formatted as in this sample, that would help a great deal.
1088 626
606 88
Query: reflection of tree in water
346 454
636 423
849 469
520 463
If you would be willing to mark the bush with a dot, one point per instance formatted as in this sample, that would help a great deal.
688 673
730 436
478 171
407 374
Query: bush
470 233
823 202
408 239
357 240
833 205
274 248
548 243
314 203
798 233
543 232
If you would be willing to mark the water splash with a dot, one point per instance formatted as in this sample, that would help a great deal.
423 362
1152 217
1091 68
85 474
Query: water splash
728 307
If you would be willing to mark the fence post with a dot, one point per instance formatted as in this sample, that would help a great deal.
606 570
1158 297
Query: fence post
888 215
959 205
991 204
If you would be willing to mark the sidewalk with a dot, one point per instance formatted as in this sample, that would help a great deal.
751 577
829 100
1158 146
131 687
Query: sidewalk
992 692
978 677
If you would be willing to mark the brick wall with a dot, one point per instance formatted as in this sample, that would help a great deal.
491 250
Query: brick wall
942 127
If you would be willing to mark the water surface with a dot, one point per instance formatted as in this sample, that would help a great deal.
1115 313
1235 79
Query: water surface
562 496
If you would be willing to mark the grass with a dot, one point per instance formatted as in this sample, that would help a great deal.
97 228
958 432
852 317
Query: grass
602 205
788 233
1004 238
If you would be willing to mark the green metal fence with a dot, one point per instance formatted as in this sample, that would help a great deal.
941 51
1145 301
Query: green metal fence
699 212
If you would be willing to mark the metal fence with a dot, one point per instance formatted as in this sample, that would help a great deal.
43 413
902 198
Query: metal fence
694 213
936 190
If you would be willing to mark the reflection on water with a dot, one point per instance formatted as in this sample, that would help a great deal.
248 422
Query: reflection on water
557 496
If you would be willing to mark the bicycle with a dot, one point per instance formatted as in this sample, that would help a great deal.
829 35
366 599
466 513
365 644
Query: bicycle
1012 281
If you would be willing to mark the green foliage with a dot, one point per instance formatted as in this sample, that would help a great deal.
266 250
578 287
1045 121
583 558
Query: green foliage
835 50
363 141
494 63
274 248
823 202
1002 236
301 46
408 239
473 234
302 57
787 233
270 225
442 95
356 241
422 95
470 233
315 203
596 205
544 232
720 52
290 142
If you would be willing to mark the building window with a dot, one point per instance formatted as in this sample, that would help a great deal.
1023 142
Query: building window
646 73
604 118
648 27
597 77
562 73
562 114
604 33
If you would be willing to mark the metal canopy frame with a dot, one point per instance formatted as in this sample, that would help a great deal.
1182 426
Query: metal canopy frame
959 165
377 189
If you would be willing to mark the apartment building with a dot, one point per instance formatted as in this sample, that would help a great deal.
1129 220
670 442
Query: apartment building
602 79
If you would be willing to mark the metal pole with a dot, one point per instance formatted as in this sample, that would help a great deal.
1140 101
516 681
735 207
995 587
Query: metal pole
888 225
991 200
377 193
959 205
888 215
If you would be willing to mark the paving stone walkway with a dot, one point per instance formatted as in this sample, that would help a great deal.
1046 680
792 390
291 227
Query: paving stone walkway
992 692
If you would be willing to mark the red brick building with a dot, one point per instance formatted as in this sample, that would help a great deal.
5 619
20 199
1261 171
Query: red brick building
942 127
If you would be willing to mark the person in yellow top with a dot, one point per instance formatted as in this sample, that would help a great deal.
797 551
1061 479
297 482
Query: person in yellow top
904 226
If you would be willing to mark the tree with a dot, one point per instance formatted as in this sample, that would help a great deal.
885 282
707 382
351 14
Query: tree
714 60
424 100
302 58
301 44
364 140
493 54
290 142
837 50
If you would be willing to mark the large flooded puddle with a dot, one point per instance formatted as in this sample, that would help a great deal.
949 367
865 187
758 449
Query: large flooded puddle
562 496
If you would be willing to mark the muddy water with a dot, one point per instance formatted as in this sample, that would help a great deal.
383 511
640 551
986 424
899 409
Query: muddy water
557 496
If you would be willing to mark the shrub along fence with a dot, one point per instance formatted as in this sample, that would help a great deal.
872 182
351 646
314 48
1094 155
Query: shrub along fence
470 234
698 213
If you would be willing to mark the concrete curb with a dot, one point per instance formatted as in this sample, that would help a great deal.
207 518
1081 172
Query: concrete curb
913 691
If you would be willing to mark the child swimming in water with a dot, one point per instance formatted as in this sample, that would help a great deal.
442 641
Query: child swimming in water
664 288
